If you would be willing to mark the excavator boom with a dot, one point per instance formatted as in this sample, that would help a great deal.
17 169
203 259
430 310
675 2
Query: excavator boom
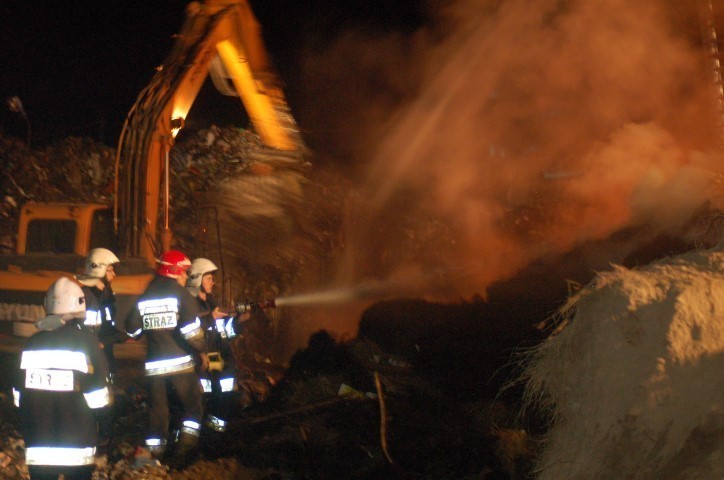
221 37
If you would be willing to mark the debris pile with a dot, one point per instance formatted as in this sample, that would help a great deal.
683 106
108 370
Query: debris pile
12 446
72 170
346 410
631 378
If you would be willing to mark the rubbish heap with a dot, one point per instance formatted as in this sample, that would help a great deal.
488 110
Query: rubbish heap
73 170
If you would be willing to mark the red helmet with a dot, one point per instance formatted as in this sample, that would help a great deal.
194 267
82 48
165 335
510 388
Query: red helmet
172 264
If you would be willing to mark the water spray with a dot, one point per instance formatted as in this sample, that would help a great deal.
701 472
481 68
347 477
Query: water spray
377 290
367 290
325 297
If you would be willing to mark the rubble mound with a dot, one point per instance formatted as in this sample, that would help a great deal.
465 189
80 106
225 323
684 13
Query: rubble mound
632 375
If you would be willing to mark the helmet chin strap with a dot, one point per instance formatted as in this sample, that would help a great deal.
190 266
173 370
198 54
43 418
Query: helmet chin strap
90 281
50 322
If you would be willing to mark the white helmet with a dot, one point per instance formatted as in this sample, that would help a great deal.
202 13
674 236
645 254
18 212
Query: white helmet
97 261
199 268
65 298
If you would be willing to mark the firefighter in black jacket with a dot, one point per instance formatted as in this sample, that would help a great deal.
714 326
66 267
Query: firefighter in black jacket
100 314
168 316
101 301
219 382
63 378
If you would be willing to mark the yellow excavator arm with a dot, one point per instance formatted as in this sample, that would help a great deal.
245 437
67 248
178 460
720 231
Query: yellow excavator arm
221 37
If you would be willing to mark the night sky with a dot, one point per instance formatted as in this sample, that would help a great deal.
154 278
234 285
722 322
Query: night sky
78 66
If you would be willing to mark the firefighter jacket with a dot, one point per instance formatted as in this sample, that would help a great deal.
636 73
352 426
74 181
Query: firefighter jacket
218 331
62 379
168 316
101 313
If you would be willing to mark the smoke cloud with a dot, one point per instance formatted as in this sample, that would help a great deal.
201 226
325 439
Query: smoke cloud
510 131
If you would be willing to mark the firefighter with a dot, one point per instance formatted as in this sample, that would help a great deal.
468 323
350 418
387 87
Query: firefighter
220 381
63 379
101 301
168 316
100 314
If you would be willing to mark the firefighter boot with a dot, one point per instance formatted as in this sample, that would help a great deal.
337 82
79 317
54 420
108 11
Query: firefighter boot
155 448
186 451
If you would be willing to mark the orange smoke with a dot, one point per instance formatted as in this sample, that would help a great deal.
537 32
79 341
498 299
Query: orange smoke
532 128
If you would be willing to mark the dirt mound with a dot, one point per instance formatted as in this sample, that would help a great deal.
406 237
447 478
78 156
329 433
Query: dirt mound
632 376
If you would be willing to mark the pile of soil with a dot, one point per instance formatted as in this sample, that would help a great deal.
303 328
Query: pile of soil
632 375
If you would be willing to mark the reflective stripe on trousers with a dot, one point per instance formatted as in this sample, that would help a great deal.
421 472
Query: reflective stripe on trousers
64 456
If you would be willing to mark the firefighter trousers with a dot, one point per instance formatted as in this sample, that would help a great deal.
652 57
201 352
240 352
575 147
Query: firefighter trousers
182 388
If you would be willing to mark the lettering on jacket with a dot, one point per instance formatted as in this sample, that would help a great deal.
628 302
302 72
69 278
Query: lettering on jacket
153 322
159 314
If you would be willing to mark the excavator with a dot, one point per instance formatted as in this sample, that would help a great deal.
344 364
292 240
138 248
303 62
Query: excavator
220 39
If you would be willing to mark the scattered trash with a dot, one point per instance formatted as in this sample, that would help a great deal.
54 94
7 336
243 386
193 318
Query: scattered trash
347 391
391 361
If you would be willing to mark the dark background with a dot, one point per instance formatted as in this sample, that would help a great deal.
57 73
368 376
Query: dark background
78 66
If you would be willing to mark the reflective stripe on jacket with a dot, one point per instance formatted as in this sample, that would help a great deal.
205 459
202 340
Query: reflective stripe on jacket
60 456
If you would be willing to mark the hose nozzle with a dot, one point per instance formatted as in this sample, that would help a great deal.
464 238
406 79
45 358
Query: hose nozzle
250 306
